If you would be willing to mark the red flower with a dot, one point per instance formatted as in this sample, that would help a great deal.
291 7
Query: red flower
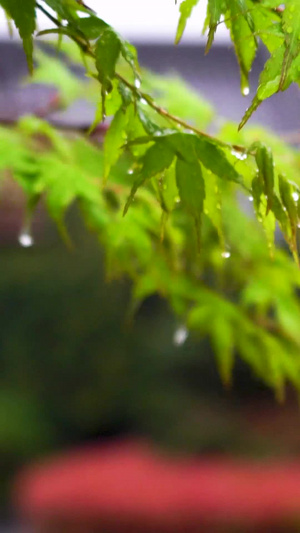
130 484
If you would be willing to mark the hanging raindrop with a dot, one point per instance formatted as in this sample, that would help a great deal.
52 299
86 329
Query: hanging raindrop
295 196
239 155
180 336
225 254
245 90
25 238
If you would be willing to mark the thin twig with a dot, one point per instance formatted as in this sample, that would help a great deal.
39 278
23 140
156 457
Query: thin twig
163 112
48 15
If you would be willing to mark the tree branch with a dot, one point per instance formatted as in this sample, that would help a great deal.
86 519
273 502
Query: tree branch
87 49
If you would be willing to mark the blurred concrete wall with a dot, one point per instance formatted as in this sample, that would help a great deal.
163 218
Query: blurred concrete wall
215 76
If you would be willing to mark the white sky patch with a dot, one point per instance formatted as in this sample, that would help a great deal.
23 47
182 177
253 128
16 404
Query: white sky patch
142 21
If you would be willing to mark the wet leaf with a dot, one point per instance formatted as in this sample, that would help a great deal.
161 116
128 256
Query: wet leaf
257 190
269 82
213 202
158 158
241 28
107 51
265 165
286 194
168 189
190 183
129 53
92 27
186 8
23 15
291 27
114 140
223 342
214 159
215 8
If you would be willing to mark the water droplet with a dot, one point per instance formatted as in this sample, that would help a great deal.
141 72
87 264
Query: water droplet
177 200
130 171
226 254
25 238
295 196
143 101
250 198
298 225
245 90
137 83
180 336
239 155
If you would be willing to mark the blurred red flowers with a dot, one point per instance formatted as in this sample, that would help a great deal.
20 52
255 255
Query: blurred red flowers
131 486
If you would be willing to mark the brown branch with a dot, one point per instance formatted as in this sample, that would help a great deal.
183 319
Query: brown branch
163 112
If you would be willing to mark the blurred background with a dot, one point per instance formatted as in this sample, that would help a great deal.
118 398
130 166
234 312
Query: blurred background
72 370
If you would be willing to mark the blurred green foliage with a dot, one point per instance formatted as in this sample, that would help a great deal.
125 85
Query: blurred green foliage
73 369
